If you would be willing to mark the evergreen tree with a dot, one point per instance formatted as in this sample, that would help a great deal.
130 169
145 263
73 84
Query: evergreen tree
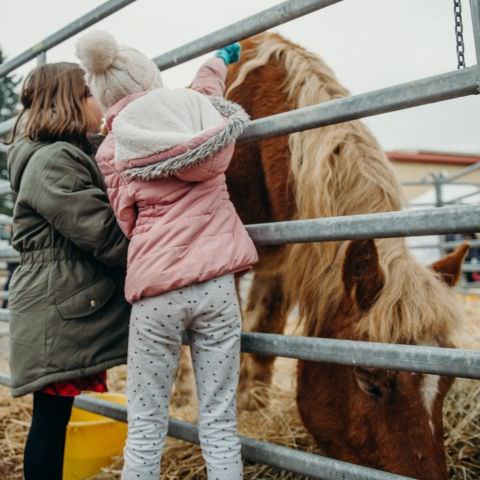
8 94
8 108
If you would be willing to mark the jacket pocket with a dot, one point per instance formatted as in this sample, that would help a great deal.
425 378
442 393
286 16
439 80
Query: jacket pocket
88 300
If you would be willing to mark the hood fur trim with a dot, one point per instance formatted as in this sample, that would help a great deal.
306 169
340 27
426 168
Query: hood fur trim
236 122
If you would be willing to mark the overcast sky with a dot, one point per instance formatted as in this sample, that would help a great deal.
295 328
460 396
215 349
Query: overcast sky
369 43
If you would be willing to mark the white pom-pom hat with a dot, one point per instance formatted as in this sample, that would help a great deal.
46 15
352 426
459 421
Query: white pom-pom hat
114 71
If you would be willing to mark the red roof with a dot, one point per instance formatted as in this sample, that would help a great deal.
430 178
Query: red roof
433 157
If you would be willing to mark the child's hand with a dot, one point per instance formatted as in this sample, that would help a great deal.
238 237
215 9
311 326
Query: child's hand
230 53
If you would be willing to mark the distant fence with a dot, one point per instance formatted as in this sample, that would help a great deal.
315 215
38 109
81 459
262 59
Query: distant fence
452 219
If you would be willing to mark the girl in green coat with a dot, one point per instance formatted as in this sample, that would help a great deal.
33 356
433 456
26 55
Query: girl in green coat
69 319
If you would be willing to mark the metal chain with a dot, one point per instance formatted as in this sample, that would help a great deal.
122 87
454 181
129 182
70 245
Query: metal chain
457 10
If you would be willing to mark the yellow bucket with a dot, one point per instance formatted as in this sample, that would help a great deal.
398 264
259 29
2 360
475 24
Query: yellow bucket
92 440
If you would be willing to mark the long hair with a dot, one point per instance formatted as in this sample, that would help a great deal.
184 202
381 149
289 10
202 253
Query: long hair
53 105
342 170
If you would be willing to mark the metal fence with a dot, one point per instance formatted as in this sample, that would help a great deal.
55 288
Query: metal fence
451 219
442 196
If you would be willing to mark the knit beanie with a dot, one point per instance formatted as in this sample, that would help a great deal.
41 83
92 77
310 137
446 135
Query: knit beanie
114 71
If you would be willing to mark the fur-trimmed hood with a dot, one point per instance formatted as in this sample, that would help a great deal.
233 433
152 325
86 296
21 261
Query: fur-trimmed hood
163 132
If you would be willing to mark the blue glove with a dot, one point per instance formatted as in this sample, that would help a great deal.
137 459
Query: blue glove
230 53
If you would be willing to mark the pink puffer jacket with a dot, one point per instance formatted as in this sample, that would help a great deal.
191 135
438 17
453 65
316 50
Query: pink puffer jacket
164 160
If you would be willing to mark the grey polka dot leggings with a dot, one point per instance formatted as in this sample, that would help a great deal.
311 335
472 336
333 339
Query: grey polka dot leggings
210 314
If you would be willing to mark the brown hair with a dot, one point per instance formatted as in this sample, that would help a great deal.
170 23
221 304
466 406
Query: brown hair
53 101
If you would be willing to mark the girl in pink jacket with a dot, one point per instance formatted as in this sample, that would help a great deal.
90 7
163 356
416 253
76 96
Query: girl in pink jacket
164 160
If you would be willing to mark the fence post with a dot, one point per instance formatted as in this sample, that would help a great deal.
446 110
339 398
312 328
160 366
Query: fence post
438 179
42 58
475 11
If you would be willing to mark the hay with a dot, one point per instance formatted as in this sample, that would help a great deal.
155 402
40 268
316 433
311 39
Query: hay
278 424
15 416
461 414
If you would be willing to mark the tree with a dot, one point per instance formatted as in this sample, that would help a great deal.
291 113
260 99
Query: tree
8 108
8 94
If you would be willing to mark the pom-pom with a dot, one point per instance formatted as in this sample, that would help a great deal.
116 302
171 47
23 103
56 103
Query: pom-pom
96 51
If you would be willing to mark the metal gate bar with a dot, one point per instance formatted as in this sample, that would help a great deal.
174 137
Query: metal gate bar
419 92
407 223
93 16
414 358
434 360
463 173
257 23
428 90
475 11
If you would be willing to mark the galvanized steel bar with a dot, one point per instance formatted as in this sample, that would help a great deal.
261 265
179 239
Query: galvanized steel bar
4 315
475 11
464 172
102 407
450 245
474 291
459 219
472 267
5 187
420 92
6 126
419 183
470 285
462 197
42 58
8 255
85 21
421 204
472 243
423 183
313 466
434 360
433 89
4 379
257 23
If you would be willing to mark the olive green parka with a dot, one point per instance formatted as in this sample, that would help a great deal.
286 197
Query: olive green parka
69 317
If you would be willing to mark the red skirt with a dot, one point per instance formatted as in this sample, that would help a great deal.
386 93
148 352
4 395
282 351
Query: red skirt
71 388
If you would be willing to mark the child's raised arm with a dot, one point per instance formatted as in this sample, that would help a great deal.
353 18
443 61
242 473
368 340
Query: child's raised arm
210 79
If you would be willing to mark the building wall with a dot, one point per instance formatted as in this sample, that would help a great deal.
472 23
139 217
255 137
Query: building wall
411 171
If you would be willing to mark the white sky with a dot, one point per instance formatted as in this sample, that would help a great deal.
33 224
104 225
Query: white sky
369 43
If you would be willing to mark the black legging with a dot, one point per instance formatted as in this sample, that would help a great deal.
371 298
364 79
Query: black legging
43 458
